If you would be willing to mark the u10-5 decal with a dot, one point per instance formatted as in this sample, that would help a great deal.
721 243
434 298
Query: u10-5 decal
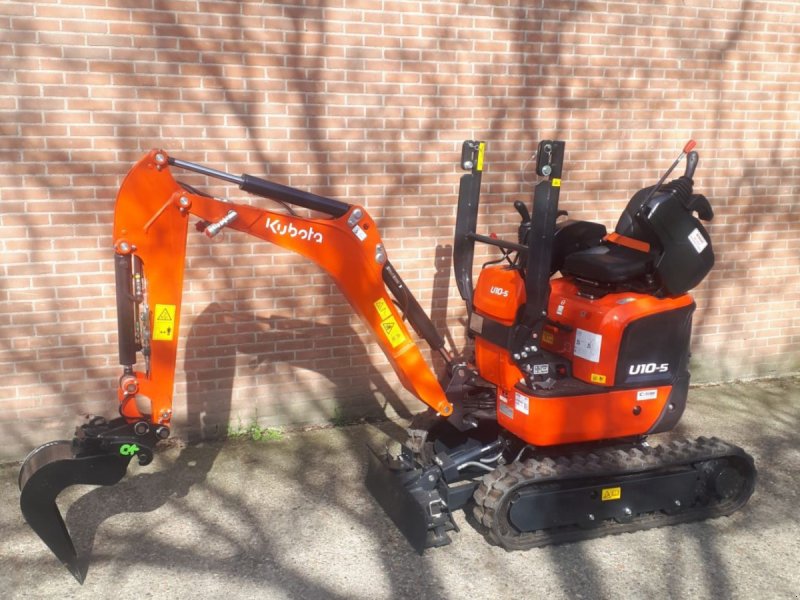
648 368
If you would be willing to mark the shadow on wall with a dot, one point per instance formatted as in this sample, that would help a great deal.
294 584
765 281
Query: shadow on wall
275 344
55 371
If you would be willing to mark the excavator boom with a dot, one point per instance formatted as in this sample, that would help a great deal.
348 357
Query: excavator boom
150 230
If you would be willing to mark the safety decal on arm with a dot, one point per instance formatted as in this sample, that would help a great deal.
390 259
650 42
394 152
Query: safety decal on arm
389 325
164 326
383 308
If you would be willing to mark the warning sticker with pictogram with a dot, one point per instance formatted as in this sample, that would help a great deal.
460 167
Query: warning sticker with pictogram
383 308
393 331
164 327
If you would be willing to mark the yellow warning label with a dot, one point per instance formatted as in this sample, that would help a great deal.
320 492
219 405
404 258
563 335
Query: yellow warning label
393 332
547 337
598 378
164 326
614 493
383 309
481 150
556 182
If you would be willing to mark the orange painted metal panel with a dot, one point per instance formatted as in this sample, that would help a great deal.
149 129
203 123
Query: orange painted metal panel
562 420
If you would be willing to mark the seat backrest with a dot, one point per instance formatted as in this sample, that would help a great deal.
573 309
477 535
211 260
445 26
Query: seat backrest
681 243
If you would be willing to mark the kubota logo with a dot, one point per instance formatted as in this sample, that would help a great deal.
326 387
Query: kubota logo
279 228
648 368
498 291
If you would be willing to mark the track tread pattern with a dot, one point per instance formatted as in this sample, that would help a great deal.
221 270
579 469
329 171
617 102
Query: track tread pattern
492 495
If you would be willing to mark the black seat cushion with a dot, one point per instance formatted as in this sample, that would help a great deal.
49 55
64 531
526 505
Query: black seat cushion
608 263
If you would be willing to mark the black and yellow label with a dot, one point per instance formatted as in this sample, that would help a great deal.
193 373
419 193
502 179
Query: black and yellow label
598 378
556 182
393 332
614 493
481 150
164 325
547 337
383 309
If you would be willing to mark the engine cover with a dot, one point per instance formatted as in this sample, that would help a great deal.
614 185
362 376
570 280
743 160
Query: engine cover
628 355
620 340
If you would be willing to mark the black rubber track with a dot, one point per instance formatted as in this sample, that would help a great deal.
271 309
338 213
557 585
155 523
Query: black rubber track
494 494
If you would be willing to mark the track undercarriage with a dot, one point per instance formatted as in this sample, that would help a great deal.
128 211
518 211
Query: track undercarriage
525 497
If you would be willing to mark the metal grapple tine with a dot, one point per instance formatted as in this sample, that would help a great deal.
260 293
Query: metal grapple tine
47 471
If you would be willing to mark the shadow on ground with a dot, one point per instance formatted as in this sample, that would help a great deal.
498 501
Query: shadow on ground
291 519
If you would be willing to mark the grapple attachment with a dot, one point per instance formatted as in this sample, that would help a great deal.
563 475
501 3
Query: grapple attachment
98 455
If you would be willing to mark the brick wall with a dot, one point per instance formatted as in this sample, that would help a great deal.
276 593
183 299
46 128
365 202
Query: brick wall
368 101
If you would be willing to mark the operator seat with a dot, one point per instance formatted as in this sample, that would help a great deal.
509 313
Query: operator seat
659 243
609 263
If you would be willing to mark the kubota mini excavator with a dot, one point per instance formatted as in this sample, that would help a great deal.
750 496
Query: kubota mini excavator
542 425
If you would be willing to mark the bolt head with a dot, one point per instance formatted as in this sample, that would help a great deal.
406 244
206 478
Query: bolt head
380 254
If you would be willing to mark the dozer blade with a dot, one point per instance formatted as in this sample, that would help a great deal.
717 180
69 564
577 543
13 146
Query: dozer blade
47 471
390 488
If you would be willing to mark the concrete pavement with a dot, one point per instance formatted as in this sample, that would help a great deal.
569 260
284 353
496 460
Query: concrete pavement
291 519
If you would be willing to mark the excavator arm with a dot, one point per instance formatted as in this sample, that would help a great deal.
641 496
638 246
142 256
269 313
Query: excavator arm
150 230
151 223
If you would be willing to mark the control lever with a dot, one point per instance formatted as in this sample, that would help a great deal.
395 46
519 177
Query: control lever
691 164
522 210
686 150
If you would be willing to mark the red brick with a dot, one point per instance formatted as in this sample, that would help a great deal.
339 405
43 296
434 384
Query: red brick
371 106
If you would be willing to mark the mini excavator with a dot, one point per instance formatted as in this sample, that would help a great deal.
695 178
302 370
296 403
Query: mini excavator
578 351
